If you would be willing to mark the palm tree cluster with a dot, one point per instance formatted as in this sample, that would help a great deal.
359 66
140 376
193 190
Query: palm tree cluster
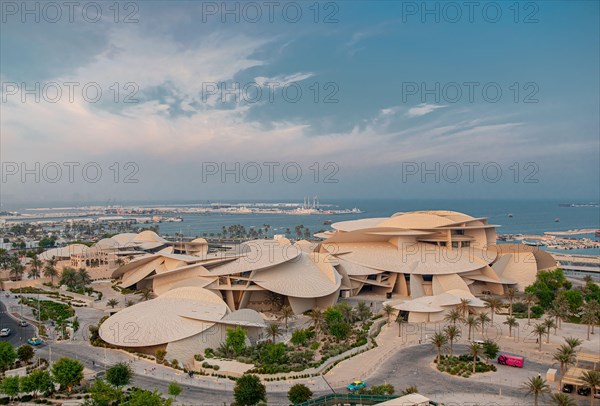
75 279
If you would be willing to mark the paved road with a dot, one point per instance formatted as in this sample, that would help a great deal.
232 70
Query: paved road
19 335
411 366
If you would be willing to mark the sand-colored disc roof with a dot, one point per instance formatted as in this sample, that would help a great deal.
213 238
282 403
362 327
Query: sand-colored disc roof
415 258
148 236
245 317
353 225
301 277
64 252
178 314
258 255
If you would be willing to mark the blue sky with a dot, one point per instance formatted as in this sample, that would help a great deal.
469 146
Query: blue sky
368 127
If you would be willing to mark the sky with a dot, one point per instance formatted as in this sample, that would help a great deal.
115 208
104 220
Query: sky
279 100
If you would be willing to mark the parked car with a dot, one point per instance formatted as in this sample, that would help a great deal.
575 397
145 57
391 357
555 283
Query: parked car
597 395
584 391
23 323
5 332
567 388
34 341
356 385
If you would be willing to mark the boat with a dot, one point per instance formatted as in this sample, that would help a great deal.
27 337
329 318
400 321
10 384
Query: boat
510 215
556 220
327 222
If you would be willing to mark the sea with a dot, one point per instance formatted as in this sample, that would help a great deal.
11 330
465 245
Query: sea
512 216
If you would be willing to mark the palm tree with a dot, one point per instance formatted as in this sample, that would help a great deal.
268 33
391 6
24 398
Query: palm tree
36 264
562 399
463 306
286 314
511 322
537 387
347 311
274 300
363 311
112 303
146 294
511 293
472 322
591 379
453 316
452 332
16 270
273 330
83 277
529 299
494 305
549 323
400 320
540 329
316 317
565 355
573 342
439 341
388 310
475 350
50 270
483 320
589 315
69 277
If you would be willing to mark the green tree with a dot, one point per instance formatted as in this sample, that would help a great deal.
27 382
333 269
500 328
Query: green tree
494 305
249 390
299 337
591 379
25 352
50 270
400 321
549 323
175 389
490 349
589 315
463 306
273 331
119 374
539 329
299 393
316 318
565 355
472 322
536 387
7 354
453 316
69 278
10 386
83 278
388 310
112 303
38 381
104 394
236 339
286 314
511 322
160 355
475 350
529 299
36 264
573 342
363 311
67 373
439 341
562 399
453 333
483 320
141 397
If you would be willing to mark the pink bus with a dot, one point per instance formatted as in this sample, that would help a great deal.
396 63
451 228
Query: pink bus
510 360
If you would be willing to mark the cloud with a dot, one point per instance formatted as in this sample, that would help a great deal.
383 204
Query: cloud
422 109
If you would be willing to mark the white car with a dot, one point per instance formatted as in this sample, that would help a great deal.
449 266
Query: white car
5 332
23 323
